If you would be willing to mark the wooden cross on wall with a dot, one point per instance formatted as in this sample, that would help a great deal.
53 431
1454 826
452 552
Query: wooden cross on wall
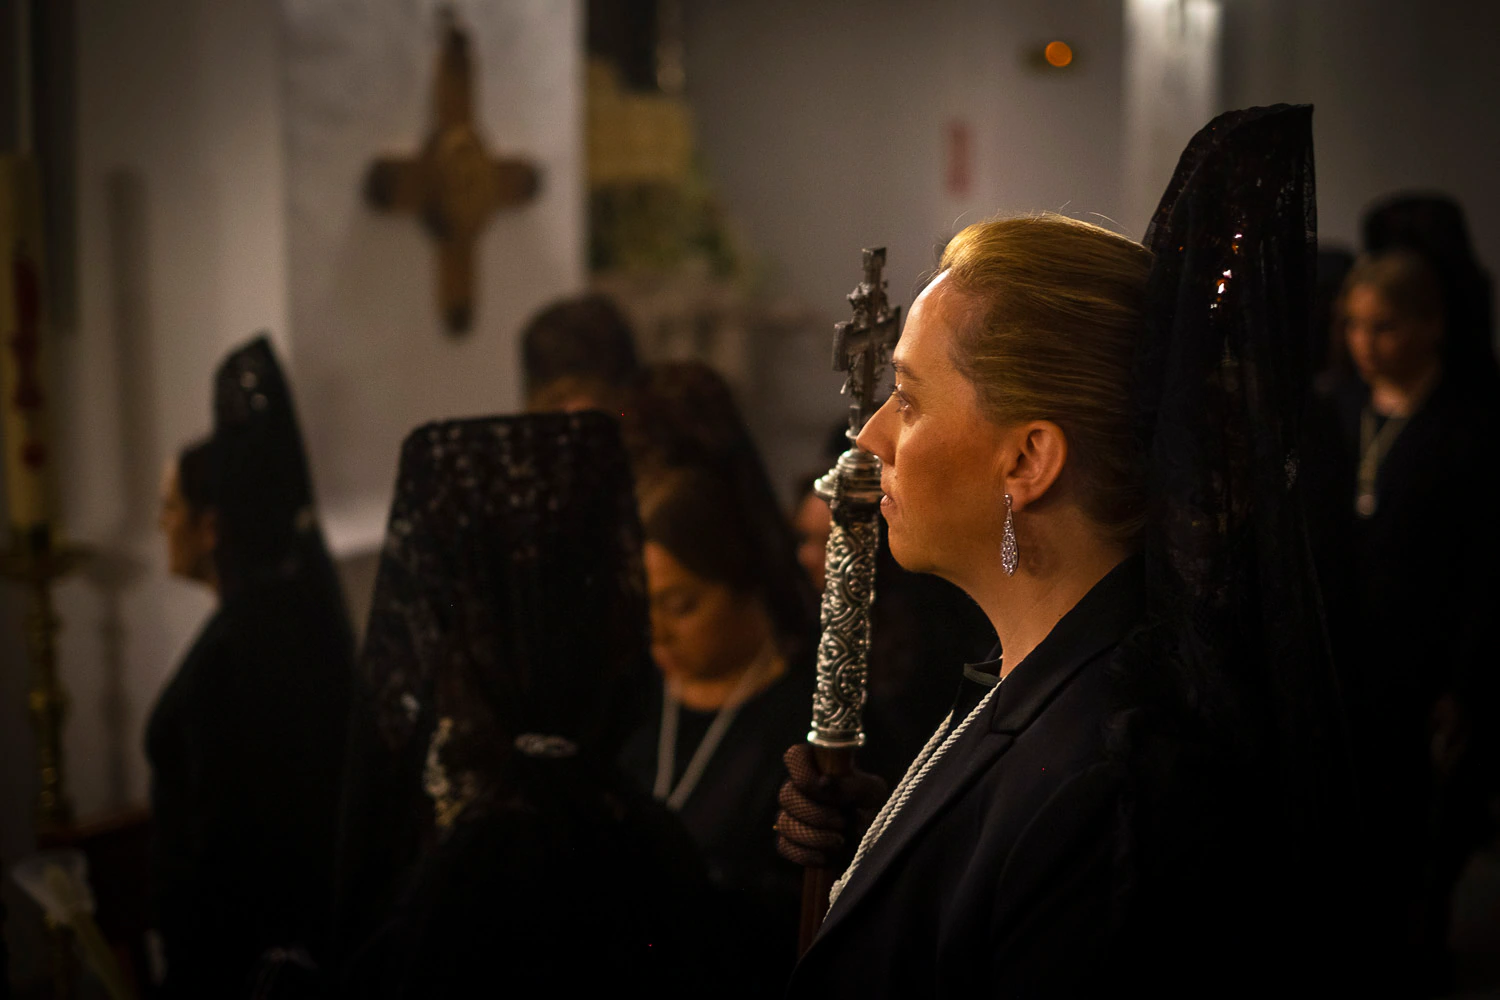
453 184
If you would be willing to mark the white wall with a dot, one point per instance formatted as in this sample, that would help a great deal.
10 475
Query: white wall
372 357
1170 88
824 124
1404 93
824 127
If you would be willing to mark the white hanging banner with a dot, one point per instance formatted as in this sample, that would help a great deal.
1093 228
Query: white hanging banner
1171 90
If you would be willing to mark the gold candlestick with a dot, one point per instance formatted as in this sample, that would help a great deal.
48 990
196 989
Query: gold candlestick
35 560
35 563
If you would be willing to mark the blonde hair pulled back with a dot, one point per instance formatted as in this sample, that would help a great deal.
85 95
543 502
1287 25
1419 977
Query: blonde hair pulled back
1052 311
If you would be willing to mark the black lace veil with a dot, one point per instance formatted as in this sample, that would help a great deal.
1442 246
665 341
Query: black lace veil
508 639
261 487
1222 386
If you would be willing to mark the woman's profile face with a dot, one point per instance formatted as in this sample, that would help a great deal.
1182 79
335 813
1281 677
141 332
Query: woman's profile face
944 502
1385 344
700 630
190 535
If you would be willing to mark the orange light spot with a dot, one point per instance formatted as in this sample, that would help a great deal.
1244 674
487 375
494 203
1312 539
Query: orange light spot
1058 54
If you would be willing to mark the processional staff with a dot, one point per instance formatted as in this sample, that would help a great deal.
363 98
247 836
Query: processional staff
861 347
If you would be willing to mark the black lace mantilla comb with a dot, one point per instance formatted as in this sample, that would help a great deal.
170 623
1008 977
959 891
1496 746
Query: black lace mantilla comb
510 608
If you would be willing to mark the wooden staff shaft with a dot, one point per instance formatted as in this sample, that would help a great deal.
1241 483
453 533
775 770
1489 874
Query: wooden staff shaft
816 882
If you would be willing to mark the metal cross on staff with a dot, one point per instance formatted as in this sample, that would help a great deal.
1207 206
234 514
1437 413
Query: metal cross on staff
861 347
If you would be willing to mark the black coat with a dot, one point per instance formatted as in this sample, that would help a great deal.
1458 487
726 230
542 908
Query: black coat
1422 568
1003 874
730 815
246 747
580 886
1414 591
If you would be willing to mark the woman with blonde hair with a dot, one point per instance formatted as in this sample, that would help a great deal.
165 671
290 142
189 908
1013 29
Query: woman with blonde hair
1420 428
1098 442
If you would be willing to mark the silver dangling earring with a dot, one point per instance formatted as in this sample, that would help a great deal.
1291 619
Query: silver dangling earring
1010 556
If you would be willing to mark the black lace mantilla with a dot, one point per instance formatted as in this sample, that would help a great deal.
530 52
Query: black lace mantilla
1222 382
268 526
509 617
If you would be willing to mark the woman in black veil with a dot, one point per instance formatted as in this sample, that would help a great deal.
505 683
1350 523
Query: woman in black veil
246 741
1100 442
489 836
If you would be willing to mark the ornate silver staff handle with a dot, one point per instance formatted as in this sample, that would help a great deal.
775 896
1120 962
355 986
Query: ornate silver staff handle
861 347
852 489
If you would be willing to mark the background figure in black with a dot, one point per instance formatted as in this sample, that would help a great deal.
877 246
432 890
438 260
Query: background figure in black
246 741
733 633
505 661
578 354
1432 226
1328 288
1419 427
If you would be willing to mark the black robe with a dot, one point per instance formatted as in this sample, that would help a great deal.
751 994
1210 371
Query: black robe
1002 875
1416 594
246 747
580 885
1422 566
730 815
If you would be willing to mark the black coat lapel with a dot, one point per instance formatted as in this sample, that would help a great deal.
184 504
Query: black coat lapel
1096 623
966 760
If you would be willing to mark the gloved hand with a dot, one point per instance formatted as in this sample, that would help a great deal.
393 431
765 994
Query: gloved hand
823 817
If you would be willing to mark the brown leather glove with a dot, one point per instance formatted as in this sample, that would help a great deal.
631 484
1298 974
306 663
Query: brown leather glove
823 817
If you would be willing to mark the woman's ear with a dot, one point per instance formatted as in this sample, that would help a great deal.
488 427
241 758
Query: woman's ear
1036 452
